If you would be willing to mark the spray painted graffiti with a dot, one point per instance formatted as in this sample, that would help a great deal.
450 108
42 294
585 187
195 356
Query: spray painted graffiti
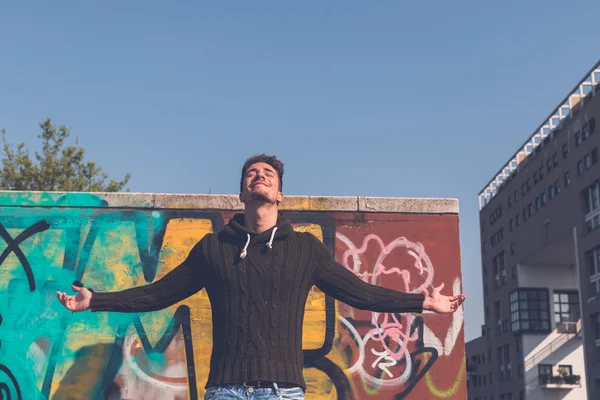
388 338
9 387
49 242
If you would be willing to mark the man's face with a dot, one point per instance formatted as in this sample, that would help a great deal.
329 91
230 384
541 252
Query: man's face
261 184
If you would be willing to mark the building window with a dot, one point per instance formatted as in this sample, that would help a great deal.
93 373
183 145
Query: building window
551 192
585 133
591 197
567 368
565 150
538 203
511 225
541 172
516 195
499 270
529 311
496 214
596 325
567 179
506 360
566 307
580 168
555 160
549 165
484 269
543 199
535 178
544 373
592 258
484 248
592 124
512 250
587 161
498 316
557 187
527 212
497 237
578 139
517 220
499 351
509 202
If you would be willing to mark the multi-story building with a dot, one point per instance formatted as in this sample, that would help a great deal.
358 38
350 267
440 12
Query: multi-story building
540 238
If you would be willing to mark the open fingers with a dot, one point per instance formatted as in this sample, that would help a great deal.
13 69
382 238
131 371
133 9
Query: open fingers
64 299
61 297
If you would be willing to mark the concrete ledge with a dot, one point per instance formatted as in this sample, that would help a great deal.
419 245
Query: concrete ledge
226 202
134 200
198 201
408 205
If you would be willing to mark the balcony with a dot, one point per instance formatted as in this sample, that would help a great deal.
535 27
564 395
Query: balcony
568 327
549 381
568 330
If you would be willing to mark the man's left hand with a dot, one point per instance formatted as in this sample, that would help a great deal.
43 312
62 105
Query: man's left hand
439 303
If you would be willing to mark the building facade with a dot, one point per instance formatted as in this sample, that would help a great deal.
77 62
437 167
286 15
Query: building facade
540 238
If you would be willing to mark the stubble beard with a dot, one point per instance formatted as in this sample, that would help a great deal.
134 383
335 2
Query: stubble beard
261 196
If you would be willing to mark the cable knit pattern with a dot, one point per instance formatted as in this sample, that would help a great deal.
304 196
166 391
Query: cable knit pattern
257 301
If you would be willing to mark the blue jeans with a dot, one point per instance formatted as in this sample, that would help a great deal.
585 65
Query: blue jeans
240 392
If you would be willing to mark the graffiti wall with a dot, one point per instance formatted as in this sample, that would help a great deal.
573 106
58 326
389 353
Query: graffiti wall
50 240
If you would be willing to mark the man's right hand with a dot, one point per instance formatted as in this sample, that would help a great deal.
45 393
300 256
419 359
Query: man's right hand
80 302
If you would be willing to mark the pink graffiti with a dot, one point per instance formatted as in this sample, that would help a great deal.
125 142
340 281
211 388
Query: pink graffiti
385 250
392 329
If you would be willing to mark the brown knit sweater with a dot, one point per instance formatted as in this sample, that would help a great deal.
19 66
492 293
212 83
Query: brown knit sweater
257 297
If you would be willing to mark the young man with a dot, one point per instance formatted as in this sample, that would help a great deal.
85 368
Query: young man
258 272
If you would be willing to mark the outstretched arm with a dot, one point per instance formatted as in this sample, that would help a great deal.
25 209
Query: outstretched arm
342 284
180 283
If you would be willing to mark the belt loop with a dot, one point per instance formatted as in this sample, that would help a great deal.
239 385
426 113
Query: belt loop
277 390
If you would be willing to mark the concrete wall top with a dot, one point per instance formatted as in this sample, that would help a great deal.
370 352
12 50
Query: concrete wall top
229 202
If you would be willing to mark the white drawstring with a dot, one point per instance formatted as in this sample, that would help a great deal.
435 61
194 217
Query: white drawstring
245 249
244 252
270 243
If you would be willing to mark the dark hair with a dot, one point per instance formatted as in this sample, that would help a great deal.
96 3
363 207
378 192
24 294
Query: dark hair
271 160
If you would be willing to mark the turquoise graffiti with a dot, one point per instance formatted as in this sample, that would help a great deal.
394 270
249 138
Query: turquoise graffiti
46 249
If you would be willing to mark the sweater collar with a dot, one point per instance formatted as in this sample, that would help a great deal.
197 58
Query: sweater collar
236 230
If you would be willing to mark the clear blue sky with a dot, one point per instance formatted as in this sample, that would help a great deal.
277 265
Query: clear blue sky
385 98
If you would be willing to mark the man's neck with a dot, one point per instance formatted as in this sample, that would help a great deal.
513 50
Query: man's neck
260 218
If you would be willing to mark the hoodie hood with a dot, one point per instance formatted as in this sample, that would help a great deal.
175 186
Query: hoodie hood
236 231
